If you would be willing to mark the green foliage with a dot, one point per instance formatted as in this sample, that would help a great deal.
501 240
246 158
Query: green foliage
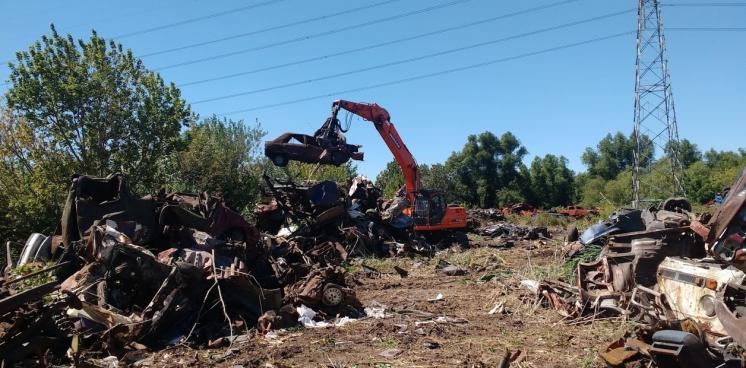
95 104
222 157
613 154
551 182
549 220
718 171
589 253
437 177
687 151
486 165
704 176
85 106
390 179
302 172
32 281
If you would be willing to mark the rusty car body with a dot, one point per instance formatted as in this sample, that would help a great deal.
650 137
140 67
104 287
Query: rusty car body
309 149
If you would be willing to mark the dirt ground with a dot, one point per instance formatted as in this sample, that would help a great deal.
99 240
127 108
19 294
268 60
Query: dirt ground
456 331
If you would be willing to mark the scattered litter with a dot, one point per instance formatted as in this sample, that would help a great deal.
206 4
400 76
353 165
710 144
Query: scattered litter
531 285
431 344
437 298
376 310
499 308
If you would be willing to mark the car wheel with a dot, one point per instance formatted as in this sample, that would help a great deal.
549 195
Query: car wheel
332 295
280 160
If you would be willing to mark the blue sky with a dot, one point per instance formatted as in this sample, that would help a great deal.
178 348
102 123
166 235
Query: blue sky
556 102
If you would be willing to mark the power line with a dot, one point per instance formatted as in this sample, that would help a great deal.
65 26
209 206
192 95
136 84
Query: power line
316 35
381 44
273 28
433 74
693 4
708 29
417 58
197 19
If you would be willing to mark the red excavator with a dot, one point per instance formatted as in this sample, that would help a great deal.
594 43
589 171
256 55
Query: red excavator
428 208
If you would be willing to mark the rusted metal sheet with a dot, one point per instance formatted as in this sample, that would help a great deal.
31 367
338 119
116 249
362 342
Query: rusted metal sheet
732 204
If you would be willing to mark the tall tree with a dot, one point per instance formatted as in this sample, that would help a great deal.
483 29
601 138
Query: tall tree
688 152
390 179
222 156
485 166
551 181
85 106
97 105
615 153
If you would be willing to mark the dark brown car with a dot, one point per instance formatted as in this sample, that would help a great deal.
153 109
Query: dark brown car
309 149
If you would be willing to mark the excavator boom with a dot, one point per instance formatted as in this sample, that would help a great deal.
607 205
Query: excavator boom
382 121
428 208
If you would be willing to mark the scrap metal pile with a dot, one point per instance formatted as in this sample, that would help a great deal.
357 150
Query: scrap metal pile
127 274
131 274
678 277
337 221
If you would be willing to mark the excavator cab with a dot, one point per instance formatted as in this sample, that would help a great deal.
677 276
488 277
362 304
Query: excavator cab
429 208
431 212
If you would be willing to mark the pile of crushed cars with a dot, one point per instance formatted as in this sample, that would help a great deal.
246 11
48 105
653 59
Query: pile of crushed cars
676 276
131 274
122 275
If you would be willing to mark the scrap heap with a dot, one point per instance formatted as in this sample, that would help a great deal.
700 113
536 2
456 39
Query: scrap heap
678 277
337 220
143 273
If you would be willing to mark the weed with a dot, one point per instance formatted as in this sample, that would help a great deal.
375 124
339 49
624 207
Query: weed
589 253
589 360
389 343
549 220
34 281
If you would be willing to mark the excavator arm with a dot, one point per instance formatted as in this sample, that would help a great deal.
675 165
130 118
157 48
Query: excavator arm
382 121
428 208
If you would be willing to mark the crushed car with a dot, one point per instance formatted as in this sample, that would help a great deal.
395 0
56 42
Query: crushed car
327 146
677 276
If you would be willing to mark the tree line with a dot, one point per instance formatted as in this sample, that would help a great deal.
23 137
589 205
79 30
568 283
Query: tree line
91 107
489 171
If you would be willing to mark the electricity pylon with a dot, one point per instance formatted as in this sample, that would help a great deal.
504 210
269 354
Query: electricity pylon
655 116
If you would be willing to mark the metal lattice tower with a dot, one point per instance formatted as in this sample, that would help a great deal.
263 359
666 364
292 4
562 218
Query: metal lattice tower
655 115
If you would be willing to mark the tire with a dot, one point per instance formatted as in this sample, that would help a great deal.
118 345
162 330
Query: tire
280 160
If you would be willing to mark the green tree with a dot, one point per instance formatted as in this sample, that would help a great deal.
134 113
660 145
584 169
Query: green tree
222 157
435 177
486 166
551 182
33 180
688 152
82 106
390 179
98 105
614 154
438 177
300 171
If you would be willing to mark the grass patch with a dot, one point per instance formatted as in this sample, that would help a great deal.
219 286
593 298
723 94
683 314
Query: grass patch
550 271
389 343
549 220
